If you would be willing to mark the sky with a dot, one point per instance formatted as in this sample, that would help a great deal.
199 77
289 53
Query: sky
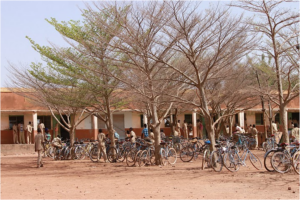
27 18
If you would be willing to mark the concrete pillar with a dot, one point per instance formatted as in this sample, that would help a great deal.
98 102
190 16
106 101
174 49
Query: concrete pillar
35 125
194 122
95 126
145 119
241 119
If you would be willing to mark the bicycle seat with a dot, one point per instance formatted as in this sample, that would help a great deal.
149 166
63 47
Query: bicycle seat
233 147
296 143
121 142
284 144
217 145
162 143
272 135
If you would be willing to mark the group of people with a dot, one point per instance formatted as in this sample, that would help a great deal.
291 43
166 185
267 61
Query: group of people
186 130
21 134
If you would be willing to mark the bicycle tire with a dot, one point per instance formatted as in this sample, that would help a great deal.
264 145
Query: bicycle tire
186 154
230 160
296 162
163 157
152 157
130 157
143 158
204 159
267 161
50 152
112 154
281 162
172 156
121 155
264 146
178 147
216 161
255 161
94 154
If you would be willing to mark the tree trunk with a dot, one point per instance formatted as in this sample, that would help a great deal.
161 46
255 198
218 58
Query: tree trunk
230 125
283 116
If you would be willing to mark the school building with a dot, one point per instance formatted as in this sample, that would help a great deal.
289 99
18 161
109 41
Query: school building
16 109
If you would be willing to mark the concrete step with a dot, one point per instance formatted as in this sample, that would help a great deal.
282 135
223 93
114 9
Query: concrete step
16 149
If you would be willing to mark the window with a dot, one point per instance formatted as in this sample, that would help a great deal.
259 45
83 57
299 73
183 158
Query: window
46 121
188 118
15 120
236 118
142 121
167 121
277 118
259 118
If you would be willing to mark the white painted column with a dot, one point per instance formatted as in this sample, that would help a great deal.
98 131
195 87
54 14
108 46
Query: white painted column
95 126
145 119
35 125
241 119
194 121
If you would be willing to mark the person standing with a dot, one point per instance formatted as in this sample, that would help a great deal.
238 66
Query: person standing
199 129
227 130
295 133
145 133
185 129
38 142
42 127
133 136
21 133
151 135
274 126
15 134
250 129
101 146
28 133
254 134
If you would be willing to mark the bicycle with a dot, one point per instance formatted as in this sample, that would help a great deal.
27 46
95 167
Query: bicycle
167 154
232 160
283 161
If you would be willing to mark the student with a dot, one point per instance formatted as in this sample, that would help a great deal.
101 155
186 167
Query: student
42 127
254 134
295 133
133 136
185 129
162 134
101 146
145 133
199 129
21 133
15 134
38 142
151 135
28 133
274 126
250 129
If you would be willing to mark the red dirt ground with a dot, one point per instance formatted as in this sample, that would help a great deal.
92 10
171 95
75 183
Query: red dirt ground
20 179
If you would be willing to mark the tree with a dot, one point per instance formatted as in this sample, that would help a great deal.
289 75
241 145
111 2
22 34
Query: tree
279 28
213 44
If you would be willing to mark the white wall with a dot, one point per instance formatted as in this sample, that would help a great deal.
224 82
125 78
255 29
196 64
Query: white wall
85 124
136 120
128 121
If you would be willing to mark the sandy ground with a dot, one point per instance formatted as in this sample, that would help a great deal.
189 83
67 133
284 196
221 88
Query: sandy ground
20 179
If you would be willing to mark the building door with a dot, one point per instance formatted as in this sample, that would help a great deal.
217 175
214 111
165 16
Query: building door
119 125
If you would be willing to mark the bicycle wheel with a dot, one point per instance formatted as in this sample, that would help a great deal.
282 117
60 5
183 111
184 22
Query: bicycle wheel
281 162
130 157
205 159
264 146
143 158
79 153
230 161
50 152
216 161
163 157
94 154
152 157
172 156
121 155
296 162
112 154
255 161
187 154
267 161
178 147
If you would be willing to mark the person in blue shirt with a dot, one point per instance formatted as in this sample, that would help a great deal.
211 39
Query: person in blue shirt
145 133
